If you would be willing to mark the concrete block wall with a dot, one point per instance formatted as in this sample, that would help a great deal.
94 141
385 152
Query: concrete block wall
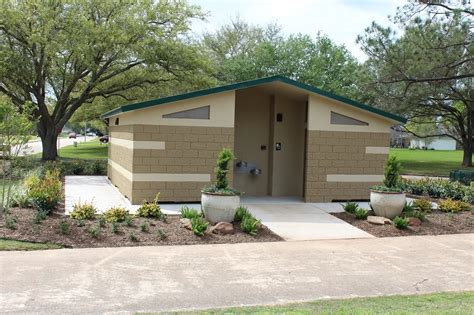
360 155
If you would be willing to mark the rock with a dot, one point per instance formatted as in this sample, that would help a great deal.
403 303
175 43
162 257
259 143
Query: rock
376 220
223 228
388 221
414 222
186 223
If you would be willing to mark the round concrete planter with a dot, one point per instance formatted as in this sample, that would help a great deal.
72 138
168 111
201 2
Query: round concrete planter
219 208
387 204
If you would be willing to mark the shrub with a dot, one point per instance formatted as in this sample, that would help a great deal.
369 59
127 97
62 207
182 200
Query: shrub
81 223
161 234
144 227
189 213
44 191
20 196
63 227
115 227
151 210
94 231
221 186
240 213
199 226
449 205
96 167
438 188
250 225
400 223
392 172
10 222
102 221
132 237
351 207
77 167
40 215
361 213
116 214
128 220
469 194
422 205
419 215
408 207
83 211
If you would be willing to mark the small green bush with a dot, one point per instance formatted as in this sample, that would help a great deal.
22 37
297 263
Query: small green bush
422 205
400 223
408 207
199 226
94 231
10 222
351 207
161 234
189 213
81 223
20 196
116 214
144 227
83 211
132 237
392 172
115 227
250 225
361 214
419 215
240 213
63 227
44 190
449 205
40 216
128 220
151 210
102 221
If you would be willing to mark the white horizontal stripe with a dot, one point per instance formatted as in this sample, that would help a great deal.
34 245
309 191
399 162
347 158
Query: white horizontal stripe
353 178
160 177
377 150
133 144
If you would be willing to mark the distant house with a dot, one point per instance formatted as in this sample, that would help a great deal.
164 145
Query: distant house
289 139
434 143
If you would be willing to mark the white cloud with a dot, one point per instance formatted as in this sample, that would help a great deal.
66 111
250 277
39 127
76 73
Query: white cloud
342 20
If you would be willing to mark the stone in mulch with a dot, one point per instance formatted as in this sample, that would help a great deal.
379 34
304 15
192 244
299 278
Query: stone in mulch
376 220
223 228
414 222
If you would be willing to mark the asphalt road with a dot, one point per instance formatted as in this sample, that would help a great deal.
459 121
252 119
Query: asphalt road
131 279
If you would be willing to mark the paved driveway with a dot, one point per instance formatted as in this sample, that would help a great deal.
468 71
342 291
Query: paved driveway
96 281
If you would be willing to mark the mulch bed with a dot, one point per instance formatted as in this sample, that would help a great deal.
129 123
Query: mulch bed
48 231
436 223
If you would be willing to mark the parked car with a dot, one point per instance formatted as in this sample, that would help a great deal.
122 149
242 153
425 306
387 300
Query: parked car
90 134
104 139
72 135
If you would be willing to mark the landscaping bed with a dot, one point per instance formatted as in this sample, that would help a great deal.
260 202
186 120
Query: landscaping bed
435 223
172 233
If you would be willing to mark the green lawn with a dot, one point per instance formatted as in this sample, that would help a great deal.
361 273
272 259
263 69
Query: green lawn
441 303
428 162
85 150
6 244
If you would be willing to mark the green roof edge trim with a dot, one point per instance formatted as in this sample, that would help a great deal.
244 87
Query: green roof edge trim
247 84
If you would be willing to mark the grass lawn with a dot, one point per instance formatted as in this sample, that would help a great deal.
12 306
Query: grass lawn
428 162
6 244
440 303
85 150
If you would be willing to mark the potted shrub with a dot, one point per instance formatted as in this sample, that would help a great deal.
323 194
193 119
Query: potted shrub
219 201
388 199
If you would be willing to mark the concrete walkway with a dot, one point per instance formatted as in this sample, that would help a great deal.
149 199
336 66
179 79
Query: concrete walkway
106 280
301 221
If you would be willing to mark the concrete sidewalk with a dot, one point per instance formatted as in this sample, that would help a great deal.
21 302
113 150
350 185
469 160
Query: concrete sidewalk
107 280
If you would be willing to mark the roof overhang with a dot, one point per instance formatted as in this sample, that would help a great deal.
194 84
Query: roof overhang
248 84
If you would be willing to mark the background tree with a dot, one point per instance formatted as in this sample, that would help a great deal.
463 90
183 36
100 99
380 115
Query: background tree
245 52
427 72
62 54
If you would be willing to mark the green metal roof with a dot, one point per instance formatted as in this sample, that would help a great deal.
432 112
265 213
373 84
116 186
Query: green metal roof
247 84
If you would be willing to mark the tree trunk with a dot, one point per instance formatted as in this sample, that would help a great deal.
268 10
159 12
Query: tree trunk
467 157
50 147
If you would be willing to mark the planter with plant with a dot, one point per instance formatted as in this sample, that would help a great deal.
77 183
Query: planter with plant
388 199
219 201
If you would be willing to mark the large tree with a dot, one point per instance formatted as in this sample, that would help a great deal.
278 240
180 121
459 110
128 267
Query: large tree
427 72
62 54
244 52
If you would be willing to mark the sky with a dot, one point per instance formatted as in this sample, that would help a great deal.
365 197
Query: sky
341 20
